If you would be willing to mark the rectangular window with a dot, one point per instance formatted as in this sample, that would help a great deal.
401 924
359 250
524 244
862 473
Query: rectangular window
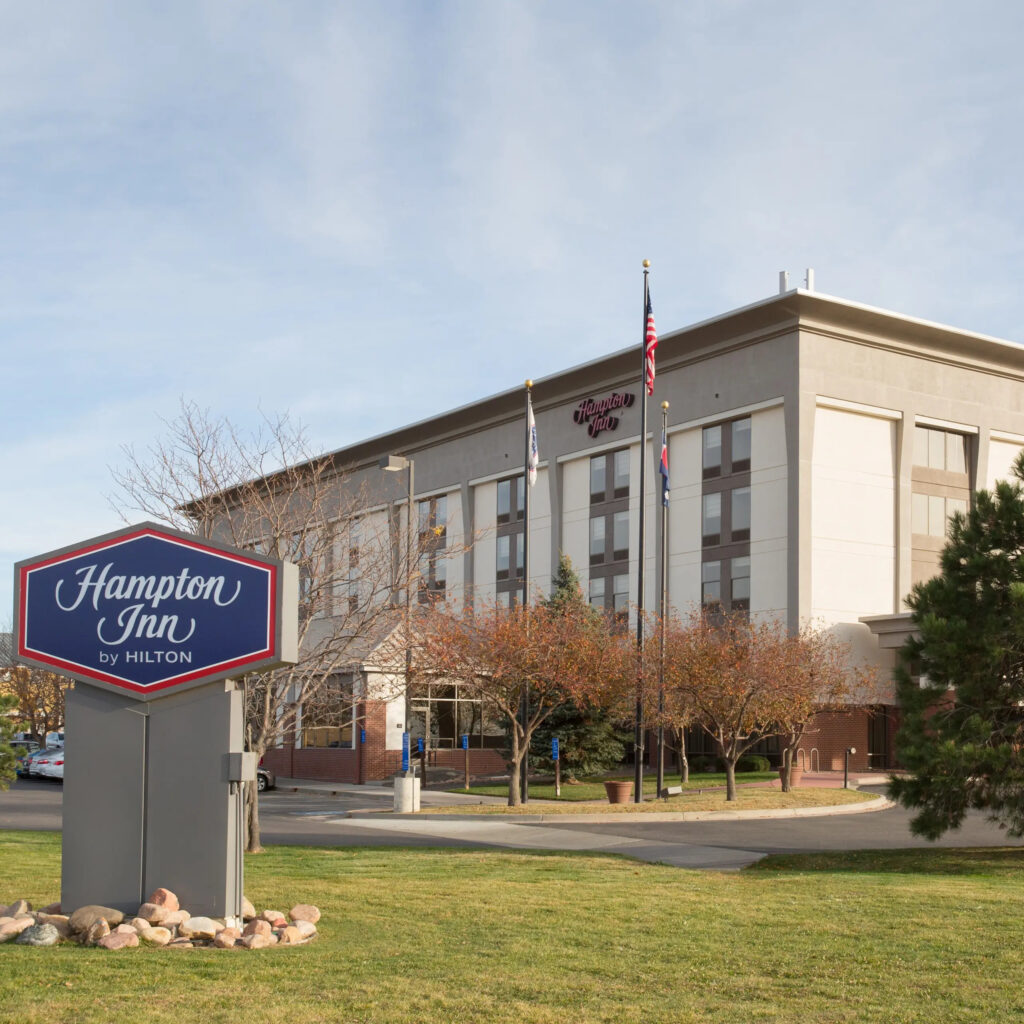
711 520
740 445
504 501
740 507
936 515
711 583
620 531
597 592
712 458
739 571
598 478
940 449
504 557
328 720
956 453
597 539
620 482
919 512
620 596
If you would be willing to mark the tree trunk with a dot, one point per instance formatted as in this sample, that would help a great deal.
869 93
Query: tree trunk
730 778
786 774
252 819
515 797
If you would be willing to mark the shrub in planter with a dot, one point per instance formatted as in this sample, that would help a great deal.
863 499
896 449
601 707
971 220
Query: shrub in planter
753 763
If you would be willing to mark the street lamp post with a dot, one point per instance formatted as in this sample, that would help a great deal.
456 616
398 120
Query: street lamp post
395 464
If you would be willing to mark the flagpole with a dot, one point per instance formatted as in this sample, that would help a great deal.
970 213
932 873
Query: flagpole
638 731
663 604
524 779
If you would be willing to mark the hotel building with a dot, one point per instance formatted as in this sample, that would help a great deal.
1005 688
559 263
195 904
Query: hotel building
817 448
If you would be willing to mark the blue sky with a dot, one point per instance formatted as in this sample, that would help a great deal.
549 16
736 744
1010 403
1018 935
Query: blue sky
365 213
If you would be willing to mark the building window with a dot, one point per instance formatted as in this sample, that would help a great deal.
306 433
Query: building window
931 513
740 437
597 539
739 508
712 447
433 533
509 555
609 476
711 519
940 449
611 593
328 720
725 584
441 715
511 498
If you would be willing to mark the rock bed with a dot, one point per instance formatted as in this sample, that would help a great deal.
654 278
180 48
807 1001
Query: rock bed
160 921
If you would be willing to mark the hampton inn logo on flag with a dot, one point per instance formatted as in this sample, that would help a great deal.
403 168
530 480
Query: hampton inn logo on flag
147 609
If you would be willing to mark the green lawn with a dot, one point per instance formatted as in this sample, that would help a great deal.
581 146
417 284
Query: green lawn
500 937
593 789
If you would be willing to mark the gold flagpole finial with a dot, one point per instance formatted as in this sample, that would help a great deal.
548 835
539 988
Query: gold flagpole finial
647 263
664 406
529 384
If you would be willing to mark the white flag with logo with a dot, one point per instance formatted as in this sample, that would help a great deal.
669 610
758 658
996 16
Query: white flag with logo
534 458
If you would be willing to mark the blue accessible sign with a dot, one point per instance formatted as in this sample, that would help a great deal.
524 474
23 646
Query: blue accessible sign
147 609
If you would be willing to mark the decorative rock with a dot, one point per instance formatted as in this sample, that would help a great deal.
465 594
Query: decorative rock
306 929
13 926
258 927
290 936
39 935
255 940
99 929
248 910
154 913
84 917
140 924
59 921
119 940
166 899
156 936
304 912
200 928
19 907
175 917
226 938
52 908
275 917
125 929
180 944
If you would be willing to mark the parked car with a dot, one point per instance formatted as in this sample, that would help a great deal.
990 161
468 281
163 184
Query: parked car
265 779
41 759
52 767
23 746
23 762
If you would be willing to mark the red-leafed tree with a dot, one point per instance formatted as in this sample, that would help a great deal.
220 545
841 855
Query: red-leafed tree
554 654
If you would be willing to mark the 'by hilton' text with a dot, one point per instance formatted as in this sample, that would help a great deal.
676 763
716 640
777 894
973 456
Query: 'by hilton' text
100 588
597 412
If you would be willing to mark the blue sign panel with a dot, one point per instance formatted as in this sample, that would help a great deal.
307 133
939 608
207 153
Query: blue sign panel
554 748
362 735
419 744
465 741
405 751
148 609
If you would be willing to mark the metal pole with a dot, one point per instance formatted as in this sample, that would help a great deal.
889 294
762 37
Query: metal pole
524 778
410 580
638 731
662 612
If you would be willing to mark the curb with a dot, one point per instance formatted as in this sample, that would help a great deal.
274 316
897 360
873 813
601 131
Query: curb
879 803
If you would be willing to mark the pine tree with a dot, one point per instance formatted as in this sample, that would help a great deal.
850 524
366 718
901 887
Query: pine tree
962 736
588 741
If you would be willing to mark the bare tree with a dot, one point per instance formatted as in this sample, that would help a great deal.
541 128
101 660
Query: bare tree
268 491
38 692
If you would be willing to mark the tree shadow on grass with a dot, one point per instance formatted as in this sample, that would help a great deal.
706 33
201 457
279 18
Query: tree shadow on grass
995 860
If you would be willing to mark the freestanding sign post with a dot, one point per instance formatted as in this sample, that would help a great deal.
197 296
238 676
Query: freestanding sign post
155 623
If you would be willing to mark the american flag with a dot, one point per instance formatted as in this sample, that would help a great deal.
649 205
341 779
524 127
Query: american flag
663 469
650 344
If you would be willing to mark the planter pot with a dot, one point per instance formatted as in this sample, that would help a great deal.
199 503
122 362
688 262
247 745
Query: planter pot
796 774
619 792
